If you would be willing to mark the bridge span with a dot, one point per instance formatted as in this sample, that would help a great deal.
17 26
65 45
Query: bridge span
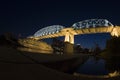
90 26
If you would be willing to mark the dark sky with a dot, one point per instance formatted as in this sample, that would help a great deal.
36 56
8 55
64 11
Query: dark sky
27 16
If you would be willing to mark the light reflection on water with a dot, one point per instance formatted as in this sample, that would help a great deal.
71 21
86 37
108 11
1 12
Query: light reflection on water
89 65
99 67
93 67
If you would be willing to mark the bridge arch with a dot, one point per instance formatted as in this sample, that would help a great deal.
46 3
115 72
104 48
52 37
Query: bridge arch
49 30
91 23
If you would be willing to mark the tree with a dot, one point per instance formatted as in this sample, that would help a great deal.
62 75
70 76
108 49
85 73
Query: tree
113 45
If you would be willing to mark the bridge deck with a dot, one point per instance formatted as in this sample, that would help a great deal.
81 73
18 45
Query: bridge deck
71 31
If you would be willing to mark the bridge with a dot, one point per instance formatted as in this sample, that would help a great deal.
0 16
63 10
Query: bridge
83 27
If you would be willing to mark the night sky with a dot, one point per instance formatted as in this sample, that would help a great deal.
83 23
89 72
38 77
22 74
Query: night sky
27 16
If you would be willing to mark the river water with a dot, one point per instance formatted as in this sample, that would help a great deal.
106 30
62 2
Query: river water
92 67
99 66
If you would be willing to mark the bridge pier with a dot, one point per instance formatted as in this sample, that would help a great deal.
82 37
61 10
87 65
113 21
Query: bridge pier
116 31
69 38
69 43
68 48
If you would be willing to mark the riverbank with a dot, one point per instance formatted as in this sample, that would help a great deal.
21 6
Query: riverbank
17 65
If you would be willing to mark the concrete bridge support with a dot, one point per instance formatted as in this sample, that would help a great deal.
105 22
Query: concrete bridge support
116 31
69 43
69 38
68 48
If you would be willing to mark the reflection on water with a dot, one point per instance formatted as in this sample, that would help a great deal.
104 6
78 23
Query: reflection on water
109 67
89 65
93 67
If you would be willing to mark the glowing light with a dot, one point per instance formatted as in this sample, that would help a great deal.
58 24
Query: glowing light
115 32
92 23
48 30
115 73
